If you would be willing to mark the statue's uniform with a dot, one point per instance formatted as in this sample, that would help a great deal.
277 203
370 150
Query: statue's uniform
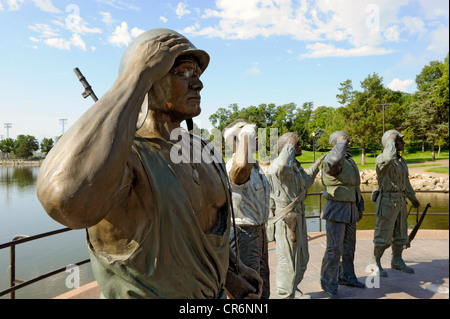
342 210
391 225
289 183
170 255
251 211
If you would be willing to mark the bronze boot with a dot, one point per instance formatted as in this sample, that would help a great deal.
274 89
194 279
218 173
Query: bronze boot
377 254
397 262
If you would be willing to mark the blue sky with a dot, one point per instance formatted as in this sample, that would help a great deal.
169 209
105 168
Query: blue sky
262 51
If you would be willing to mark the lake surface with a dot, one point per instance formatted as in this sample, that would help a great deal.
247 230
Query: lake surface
22 213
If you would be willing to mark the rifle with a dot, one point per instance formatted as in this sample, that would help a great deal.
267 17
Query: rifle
416 228
87 88
89 92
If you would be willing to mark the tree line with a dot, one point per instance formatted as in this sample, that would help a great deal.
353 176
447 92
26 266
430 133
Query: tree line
422 116
24 146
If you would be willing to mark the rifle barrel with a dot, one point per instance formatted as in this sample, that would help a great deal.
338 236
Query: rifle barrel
416 228
87 88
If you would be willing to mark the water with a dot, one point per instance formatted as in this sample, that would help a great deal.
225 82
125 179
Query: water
439 204
21 213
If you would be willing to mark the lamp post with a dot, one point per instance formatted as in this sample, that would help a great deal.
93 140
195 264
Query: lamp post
7 126
383 105
63 121
313 134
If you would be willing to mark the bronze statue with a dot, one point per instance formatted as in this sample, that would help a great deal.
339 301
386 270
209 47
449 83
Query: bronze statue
251 196
156 227
289 183
391 225
343 208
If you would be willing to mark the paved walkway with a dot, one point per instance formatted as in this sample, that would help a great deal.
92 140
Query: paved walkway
428 255
424 166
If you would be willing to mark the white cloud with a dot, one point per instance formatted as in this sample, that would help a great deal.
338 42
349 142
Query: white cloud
58 43
14 5
76 24
322 50
46 6
439 41
163 19
414 25
76 41
121 35
361 25
63 44
135 32
107 18
399 85
392 34
44 30
182 10
51 36
435 8
119 4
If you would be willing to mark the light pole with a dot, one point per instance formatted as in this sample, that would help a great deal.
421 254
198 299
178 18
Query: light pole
383 105
63 121
7 126
313 134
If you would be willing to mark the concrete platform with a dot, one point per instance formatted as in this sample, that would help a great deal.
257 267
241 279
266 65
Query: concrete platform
428 255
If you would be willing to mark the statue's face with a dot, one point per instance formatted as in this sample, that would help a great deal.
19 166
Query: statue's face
399 144
184 98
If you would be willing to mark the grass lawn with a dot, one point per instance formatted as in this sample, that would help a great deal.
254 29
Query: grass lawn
442 169
417 157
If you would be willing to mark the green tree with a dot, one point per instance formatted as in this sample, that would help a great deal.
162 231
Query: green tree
322 118
362 116
224 116
7 145
442 87
283 118
428 76
24 146
347 93
428 115
46 145
301 121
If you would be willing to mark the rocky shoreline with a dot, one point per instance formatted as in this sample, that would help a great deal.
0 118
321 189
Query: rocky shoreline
368 177
15 163
424 182
420 182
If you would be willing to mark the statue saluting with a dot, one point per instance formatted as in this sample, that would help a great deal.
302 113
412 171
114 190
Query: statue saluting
155 228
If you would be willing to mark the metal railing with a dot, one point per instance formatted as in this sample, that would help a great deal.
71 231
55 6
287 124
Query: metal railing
16 284
373 214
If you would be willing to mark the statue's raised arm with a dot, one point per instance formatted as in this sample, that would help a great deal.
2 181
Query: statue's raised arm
86 173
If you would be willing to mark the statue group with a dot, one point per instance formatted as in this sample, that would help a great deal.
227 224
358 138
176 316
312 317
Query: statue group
160 228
